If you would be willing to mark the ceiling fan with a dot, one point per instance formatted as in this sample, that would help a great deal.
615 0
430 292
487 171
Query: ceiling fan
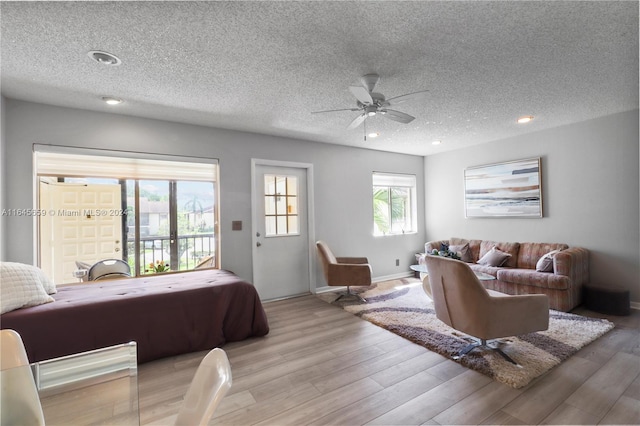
370 103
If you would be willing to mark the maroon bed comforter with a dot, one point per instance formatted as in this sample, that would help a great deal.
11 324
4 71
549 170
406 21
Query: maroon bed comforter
166 315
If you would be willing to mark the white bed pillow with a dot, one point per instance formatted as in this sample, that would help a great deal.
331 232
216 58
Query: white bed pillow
22 286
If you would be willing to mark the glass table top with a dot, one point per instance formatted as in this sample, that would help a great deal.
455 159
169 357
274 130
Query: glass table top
481 275
95 387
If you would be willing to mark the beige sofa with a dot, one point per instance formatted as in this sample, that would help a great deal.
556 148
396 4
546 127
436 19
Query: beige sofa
518 275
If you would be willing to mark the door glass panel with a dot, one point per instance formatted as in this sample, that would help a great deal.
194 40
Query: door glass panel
292 205
270 205
155 251
270 225
281 185
293 222
281 205
196 224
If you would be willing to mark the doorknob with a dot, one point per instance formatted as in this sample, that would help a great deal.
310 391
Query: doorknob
117 249
257 234
258 244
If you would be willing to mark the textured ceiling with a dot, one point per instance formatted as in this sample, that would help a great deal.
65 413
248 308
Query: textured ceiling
264 66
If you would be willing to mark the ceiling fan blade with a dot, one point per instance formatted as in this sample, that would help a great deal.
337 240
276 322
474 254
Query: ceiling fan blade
333 110
398 116
415 96
361 94
357 121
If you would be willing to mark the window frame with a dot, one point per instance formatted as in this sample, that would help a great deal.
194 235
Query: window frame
186 168
391 181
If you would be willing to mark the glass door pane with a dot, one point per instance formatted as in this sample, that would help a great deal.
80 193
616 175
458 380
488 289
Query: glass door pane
155 252
196 209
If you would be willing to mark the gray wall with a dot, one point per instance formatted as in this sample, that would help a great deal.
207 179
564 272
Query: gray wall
3 181
590 187
343 207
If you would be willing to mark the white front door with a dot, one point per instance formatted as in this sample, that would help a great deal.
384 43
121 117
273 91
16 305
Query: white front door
281 260
82 223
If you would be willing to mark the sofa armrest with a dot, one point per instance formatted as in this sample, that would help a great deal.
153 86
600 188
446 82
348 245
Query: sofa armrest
429 246
573 263
353 260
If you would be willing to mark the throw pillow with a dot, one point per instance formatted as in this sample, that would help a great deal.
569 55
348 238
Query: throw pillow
494 257
22 286
463 251
545 263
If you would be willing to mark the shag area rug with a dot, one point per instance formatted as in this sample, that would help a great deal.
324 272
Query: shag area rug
402 307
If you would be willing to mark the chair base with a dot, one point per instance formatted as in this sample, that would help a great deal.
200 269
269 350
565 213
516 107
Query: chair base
348 293
483 343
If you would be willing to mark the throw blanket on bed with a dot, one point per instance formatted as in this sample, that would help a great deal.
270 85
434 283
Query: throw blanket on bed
166 314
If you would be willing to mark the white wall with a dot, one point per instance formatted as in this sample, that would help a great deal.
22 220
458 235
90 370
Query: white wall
343 206
590 186
3 181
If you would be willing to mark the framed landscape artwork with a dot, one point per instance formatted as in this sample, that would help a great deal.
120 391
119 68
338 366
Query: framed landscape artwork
510 189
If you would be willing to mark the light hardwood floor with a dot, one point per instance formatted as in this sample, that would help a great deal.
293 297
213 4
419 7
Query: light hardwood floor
320 365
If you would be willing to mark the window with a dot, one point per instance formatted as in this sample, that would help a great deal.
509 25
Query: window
394 204
281 205
143 211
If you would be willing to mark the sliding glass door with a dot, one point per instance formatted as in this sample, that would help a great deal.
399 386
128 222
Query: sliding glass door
155 224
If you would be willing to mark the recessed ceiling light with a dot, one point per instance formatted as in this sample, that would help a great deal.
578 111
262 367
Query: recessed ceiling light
438 142
104 58
112 101
525 119
373 135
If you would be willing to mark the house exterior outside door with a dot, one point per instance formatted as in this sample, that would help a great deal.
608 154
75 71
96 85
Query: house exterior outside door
282 260
82 223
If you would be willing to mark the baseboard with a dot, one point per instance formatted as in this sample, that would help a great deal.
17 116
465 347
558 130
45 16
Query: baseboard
326 288
635 305
392 277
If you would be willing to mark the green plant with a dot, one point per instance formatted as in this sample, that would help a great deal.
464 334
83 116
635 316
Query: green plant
158 267
445 253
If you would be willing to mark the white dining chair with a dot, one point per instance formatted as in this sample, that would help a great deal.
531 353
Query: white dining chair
210 384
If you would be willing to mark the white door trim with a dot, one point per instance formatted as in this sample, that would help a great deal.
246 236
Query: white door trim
310 213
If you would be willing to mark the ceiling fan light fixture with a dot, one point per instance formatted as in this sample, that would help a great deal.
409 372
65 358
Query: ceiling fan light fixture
373 135
525 119
111 100
371 113
436 142
104 58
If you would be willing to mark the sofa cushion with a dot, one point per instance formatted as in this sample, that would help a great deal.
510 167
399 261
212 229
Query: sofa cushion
463 251
545 264
474 246
533 278
530 253
510 248
494 257
491 270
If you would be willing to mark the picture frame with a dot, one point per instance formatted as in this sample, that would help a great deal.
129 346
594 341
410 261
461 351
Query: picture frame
507 189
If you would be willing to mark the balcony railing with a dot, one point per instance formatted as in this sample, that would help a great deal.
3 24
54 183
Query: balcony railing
191 250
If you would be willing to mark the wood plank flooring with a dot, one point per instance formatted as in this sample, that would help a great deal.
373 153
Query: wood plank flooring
322 366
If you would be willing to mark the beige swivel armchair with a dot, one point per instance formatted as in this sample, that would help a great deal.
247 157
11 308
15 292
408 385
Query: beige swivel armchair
463 303
344 271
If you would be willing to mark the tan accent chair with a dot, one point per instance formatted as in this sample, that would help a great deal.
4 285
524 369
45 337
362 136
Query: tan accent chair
344 271
464 304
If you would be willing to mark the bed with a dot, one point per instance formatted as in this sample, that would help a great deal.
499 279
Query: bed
166 314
